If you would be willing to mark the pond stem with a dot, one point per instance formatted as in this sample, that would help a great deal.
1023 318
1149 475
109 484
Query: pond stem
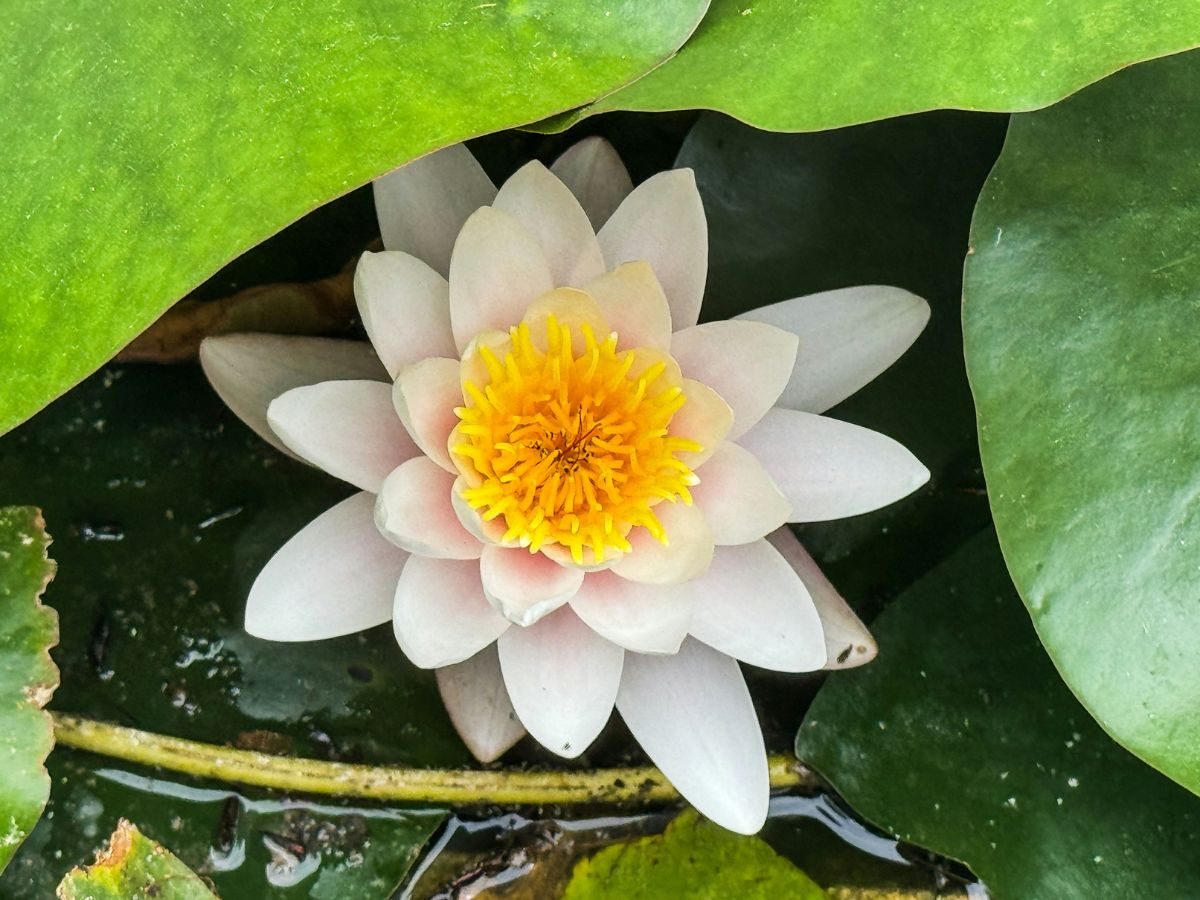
458 787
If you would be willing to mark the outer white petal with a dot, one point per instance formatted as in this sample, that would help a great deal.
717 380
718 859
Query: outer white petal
753 606
747 363
425 396
422 206
830 469
692 714
662 223
848 643
847 337
479 707
640 617
526 586
596 176
562 678
686 555
546 206
635 306
336 576
248 371
405 307
440 615
414 511
739 500
347 428
497 270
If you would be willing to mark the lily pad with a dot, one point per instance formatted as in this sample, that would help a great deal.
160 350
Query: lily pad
27 676
960 737
132 865
791 65
138 160
1082 311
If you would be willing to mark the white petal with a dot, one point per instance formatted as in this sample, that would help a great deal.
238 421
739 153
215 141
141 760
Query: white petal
248 371
848 643
830 469
596 176
440 614
414 511
693 716
422 206
686 555
347 428
425 397
562 678
847 337
747 363
544 205
483 715
635 306
705 418
640 617
405 307
662 223
525 586
490 532
336 576
738 498
753 606
497 270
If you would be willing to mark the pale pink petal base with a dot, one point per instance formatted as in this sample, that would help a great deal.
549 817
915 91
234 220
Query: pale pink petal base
425 396
525 586
440 615
686 555
414 511
639 617
405 307
477 701
739 499
635 306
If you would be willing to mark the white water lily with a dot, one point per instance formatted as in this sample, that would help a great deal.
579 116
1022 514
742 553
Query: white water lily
567 484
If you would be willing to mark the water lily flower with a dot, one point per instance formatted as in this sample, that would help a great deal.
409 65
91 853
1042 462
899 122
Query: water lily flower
572 496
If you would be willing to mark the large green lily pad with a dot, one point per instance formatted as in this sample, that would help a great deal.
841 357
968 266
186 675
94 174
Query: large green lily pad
146 145
1082 316
960 737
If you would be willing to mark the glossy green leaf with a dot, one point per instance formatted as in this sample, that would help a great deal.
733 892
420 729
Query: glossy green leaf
1082 316
795 65
133 866
27 676
146 145
692 858
961 737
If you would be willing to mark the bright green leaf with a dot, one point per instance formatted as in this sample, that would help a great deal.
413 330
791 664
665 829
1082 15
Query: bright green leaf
695 859
133 866
960 737
1082 316
795 65
147 144
27 676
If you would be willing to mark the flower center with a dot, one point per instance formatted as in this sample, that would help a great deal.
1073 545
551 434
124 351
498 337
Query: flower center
571 444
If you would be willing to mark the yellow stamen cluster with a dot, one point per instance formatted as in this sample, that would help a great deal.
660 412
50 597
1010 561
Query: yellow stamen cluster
572 449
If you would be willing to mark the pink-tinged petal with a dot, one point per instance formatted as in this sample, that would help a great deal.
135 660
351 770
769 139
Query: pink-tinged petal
705 418
830 469
405 307
248 371
335 577
477 701
747 363
440 615
662 223
693 716
570 307
414 511
425 397
848 643
497 270
635 306
526 586
738 497
640 617
543 204
562 678
752 605
596 176
490 532
346 428
847 337
422 206
686 555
